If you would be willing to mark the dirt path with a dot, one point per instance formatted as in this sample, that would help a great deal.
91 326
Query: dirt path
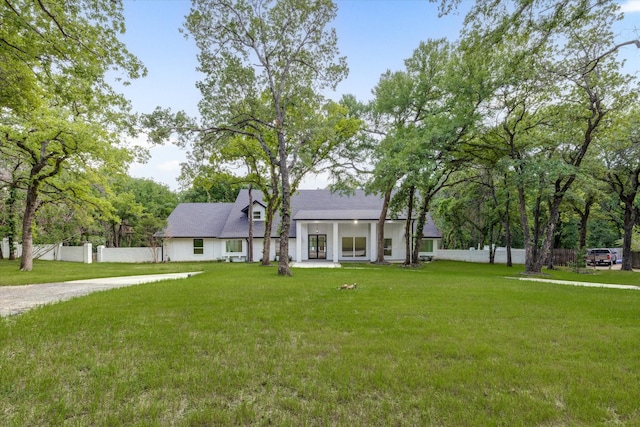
18 299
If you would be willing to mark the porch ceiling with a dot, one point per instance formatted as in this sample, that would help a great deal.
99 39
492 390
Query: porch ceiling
338 214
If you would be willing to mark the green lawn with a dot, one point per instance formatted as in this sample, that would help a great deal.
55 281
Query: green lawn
51 271
446 344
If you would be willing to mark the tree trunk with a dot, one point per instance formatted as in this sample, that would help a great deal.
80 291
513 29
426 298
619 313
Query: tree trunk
11 221
584 220
630 218
629 222
422 219
381 222
492 246
283 264
545 250
408 232
250 248
530 251
550 254
268 225
507 231
26 261
272 204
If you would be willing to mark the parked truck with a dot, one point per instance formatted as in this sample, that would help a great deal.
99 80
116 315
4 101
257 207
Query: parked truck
601 256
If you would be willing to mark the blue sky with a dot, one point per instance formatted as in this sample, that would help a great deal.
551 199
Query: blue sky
374 35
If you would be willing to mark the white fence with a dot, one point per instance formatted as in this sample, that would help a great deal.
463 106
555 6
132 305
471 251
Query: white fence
482 256
84 253
54 252
129 254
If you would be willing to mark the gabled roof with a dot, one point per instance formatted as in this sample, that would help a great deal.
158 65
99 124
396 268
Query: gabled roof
197 220
237 225
255 202
230 220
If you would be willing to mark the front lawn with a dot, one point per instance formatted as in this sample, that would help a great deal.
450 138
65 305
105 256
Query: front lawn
59 271
446 344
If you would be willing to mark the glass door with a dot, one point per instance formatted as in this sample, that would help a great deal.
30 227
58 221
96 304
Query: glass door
317 246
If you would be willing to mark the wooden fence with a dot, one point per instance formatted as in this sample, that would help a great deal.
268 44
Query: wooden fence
564 257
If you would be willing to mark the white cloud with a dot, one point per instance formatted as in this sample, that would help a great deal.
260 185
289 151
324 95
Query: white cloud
163 166
630 6
169 166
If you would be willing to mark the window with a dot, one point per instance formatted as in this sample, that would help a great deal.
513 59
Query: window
257 214
198 246
234 246
387 247
426 246
354 247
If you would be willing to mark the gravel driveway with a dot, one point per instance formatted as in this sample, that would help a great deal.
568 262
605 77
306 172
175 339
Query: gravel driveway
18 299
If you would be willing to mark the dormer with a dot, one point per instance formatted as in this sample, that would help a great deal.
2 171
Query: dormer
258 212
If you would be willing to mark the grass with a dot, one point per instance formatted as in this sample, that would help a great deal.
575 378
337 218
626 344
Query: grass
446 344
51 271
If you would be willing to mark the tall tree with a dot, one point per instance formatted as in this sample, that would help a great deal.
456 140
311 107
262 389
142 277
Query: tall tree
557 82
423 116
622 176
265 65
64 115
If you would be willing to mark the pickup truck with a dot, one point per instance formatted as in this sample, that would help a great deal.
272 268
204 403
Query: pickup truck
601 256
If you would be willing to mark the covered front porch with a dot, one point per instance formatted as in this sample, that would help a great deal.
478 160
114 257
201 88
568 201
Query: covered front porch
322 240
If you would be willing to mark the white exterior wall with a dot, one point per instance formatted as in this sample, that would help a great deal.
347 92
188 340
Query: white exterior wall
259 208
128 254
258 245
482 256
395 232
181 249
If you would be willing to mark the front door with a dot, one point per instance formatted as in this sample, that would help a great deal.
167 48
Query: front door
317 246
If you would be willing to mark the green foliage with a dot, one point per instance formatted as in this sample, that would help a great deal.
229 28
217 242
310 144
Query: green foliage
212 188
581 260
265 66
141 207
551 99
62 121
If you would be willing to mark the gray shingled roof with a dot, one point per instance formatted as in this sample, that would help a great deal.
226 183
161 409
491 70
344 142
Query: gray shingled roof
229 220
338 214
197 220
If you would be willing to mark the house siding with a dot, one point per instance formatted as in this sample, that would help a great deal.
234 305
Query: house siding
181 249
313 212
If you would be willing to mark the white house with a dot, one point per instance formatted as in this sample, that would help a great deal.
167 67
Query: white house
325 226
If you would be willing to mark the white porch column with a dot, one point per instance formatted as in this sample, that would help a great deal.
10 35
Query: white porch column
374 241
298 241
335 242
